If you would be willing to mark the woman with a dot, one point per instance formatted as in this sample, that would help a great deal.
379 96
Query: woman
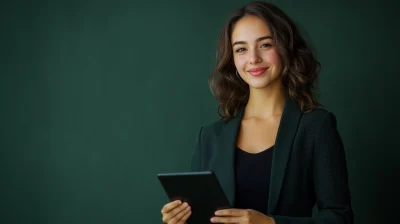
275 152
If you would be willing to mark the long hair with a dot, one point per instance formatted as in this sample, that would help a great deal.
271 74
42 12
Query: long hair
300 68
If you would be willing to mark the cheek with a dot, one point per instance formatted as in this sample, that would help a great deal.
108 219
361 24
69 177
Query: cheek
240 62
273 57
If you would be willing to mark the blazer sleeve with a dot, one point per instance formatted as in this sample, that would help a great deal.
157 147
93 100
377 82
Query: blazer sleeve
195 162
330 179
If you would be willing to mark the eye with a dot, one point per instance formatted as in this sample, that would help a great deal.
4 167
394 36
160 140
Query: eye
240 50
266 45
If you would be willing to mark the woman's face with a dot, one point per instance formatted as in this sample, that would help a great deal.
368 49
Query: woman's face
255 55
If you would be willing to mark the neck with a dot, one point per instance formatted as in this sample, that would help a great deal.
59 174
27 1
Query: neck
266 102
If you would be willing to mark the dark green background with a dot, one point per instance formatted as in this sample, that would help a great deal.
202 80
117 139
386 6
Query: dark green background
97 97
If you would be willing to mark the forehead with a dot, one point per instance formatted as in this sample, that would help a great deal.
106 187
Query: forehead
249 28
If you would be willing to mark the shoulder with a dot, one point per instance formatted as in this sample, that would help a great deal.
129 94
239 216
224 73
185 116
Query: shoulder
316 119
211 132
213 129
316 115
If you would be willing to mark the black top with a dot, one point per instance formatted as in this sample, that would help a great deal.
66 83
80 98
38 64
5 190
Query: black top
252 172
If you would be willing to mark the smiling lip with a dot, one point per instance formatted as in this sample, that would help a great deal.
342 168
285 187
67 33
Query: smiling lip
257 71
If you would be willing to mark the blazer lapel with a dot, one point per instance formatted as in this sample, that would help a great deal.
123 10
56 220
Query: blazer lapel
283 144
224 164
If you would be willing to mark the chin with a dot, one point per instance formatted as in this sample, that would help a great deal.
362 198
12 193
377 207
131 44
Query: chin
263 83
260 82
258 85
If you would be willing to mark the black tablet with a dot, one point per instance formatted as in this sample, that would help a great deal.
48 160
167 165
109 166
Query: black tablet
201 190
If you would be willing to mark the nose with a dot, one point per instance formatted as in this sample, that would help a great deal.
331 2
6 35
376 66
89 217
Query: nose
254 56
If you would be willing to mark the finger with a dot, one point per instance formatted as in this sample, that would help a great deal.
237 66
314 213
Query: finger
178 217
168 207
185 217
231 212
229 219
171 214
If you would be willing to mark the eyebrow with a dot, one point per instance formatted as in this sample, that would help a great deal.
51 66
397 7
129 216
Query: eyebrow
258 39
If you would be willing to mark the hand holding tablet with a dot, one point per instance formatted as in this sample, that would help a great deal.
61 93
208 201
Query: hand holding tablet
200 190
176 212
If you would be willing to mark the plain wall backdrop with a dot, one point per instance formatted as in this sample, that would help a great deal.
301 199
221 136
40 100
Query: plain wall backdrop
97 97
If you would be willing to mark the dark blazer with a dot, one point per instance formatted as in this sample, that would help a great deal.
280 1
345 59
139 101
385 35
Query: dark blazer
308 166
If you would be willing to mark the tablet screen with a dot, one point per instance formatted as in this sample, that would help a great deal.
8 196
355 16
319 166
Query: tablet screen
201 190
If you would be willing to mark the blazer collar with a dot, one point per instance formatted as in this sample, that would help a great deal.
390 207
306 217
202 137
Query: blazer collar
224 164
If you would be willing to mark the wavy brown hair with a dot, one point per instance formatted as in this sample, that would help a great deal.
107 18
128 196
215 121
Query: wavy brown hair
300 68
